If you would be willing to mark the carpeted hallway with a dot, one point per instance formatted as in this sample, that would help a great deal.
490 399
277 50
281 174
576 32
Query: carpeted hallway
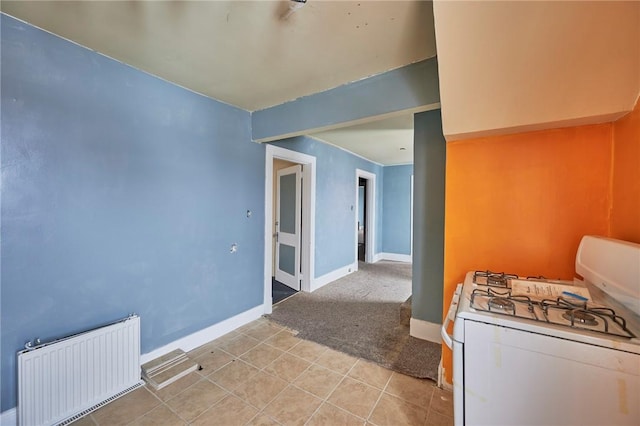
360 315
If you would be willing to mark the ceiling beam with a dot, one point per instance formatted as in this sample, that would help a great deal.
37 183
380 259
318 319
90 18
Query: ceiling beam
410 89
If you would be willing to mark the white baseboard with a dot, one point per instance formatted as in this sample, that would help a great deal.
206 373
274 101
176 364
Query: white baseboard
9 417
396 257
206 335
332 276
425 330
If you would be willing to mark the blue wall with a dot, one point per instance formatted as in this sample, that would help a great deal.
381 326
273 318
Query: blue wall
120 193
335 201
429 160
396 209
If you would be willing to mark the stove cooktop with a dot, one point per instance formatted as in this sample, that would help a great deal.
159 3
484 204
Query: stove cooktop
492 293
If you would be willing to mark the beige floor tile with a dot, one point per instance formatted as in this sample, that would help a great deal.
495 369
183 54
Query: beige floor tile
436 419
247 326
293 406
328 414
442 402
84 421
308 350
240 345
213 360
415 391
161 415
203 349
393 411
230 411
284 340
262 420
260 389
263 331
287 367
318 380
336 361
355 397
262 355
217 343
233 374
127 408
370 373
196 399
168 392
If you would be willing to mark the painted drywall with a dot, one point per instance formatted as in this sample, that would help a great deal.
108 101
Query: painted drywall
428 217
120 193
625 186
335 201
563 63
396 209
410 88
521 203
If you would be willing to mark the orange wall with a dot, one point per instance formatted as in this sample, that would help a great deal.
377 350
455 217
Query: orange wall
520 203
625 185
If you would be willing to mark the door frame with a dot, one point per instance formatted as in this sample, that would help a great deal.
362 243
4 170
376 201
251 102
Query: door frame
307 249
370 219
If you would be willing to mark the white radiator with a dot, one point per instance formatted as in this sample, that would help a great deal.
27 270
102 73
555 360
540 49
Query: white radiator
60 381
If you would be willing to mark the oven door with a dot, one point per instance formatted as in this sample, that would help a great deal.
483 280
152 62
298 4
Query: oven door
516 377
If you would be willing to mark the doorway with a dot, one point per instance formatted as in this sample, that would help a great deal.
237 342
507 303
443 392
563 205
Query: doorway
362 215
293 254
365 216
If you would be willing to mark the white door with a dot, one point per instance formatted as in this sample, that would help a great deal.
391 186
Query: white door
288 215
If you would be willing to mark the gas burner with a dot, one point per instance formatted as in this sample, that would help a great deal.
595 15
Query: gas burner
495 279
501 303
580 317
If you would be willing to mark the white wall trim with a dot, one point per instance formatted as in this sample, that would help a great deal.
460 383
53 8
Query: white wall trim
396 257
370 245
333 275
9 417
308 217
205 335
425 330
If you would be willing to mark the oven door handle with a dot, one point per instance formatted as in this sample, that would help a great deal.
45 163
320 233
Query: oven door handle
451 315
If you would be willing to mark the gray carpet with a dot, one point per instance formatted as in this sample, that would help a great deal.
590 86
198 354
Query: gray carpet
360 315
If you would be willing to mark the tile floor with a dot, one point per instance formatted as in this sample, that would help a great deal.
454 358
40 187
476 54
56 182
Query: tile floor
262 374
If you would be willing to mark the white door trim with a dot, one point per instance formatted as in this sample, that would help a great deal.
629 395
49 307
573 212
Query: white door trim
370 219
308 217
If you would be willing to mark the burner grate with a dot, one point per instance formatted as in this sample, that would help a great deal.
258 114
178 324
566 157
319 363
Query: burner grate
493 279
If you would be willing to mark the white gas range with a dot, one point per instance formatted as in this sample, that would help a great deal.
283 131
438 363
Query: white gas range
528 350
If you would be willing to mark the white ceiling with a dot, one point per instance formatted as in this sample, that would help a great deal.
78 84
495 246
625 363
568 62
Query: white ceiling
507 67
388 141
242 52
